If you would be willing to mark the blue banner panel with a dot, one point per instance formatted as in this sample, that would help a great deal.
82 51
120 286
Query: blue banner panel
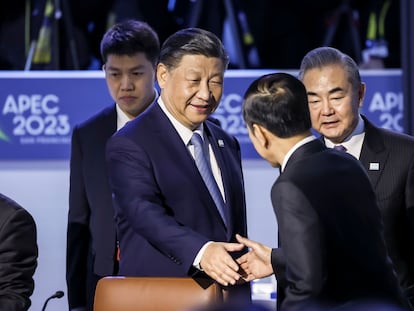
40 109
229 112
383 103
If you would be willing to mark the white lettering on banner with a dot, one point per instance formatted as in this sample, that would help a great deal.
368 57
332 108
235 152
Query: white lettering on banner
391 121
34 103
35 125
36 115
226 103
230 116
385 103
389 101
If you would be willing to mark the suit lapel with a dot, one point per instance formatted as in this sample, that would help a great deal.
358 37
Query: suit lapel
174 144
374 155
169 137
111 124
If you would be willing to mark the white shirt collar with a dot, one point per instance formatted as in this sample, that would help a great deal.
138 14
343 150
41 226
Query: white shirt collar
184 132
353 143
296 146
121 118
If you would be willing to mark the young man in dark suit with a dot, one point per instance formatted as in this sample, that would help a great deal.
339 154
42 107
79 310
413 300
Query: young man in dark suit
169 222
331 250
18 255
335 94
130 52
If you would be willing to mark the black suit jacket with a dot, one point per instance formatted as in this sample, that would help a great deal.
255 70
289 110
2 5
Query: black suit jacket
18 256
331 240
91 238
388 158
164 211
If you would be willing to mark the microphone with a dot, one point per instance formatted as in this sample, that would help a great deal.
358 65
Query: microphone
58 294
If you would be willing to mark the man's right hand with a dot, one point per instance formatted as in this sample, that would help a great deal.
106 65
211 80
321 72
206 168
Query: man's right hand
219 265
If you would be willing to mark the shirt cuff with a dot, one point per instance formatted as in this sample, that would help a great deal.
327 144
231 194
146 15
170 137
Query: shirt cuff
200 254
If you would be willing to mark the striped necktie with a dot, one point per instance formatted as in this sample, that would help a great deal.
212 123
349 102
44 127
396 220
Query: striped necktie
207 175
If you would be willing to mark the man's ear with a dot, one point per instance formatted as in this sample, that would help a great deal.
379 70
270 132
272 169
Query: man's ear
162 73
261 135
361 94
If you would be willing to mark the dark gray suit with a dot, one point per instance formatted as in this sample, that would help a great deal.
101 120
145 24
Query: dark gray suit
91 238
393 183
18 256
330 230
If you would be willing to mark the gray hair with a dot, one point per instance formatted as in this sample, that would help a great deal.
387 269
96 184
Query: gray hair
325 56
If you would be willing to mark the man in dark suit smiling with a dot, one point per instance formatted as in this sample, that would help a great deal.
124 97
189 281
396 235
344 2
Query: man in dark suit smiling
170 222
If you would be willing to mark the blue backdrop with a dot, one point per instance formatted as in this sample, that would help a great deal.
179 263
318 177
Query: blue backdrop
40 109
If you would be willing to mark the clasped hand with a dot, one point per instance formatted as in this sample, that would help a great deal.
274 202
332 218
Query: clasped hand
219 265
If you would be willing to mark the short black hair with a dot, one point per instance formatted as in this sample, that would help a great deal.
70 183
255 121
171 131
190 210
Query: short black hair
279 103
130 37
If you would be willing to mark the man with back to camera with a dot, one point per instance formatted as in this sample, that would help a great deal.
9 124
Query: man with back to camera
130 51
331 250
335 94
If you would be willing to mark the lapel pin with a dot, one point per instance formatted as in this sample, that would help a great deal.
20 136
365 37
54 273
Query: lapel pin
374 166
220 143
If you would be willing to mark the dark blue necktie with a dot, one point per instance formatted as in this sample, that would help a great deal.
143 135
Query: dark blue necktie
340 148
206 173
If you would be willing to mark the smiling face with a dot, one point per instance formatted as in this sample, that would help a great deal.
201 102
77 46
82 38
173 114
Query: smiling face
333 102
192 90
130 80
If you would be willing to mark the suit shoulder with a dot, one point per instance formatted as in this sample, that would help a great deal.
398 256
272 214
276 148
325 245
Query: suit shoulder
398 136
145 124
10 208
213 120
396 139
98 119
327 162
97 128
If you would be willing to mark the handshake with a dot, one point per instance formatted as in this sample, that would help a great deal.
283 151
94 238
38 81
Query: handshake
219 264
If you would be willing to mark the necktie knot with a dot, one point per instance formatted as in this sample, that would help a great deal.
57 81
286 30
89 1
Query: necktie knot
197 140
340 148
